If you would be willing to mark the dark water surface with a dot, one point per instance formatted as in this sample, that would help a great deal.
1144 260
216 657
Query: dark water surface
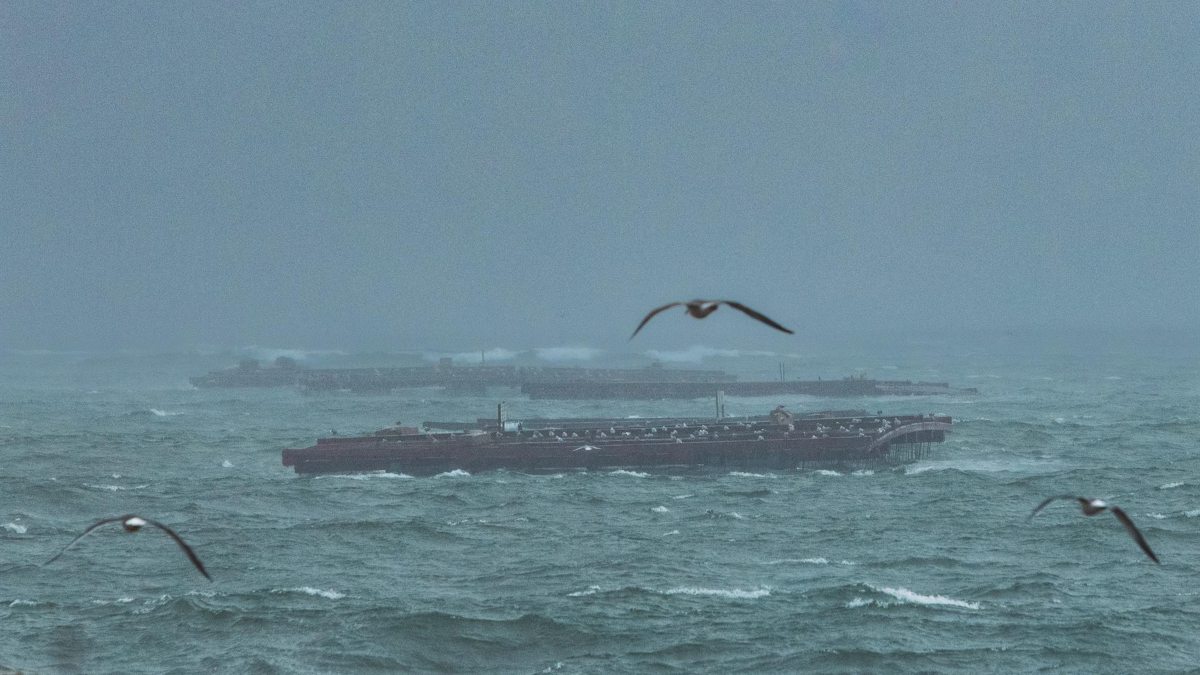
926 567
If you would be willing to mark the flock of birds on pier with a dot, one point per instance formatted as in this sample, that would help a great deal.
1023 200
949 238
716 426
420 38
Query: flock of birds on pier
698 309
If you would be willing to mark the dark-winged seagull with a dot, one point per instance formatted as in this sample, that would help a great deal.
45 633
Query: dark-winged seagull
1093 506
702 308
133 523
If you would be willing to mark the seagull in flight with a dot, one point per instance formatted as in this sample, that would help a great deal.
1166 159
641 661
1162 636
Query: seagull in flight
133 523
702 308
1093 506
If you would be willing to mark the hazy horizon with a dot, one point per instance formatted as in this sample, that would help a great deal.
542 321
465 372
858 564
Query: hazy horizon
368 177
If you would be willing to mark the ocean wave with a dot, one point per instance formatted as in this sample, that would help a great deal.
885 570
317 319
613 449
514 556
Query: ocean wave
309 590
567 353
1168 486
14 527
803 561
369 475
826 472
591 590
905 596
661 509
730 593
746 474
1192 514
457 473
227 464
623 472
672 532
115 488
23 603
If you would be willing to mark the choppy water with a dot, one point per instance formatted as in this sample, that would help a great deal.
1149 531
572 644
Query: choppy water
928 567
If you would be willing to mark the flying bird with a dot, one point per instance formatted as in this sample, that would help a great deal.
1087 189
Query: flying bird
133 523
702 308
1093 506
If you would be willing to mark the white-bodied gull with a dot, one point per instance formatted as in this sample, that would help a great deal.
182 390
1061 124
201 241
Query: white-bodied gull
133 523
1093 506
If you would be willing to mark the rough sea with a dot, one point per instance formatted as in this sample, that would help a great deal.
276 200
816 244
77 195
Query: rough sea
926 567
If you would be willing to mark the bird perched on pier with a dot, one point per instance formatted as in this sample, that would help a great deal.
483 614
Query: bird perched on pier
702 308
1093 506
133 523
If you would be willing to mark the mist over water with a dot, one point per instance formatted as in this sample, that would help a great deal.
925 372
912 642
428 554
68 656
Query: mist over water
927 566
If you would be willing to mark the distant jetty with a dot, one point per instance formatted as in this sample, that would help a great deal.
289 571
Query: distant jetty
537 382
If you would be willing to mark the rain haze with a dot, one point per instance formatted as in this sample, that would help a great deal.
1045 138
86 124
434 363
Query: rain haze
466 176
980 219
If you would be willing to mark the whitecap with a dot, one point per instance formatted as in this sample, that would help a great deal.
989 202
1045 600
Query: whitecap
863 472
905 595
591 590
22 603
457 473
1192 514
682 496
1156 516
737 515
114 488
309 590
227 464
859 602
1060 420
731 593
1168 486
826 472
661 509
745 474
14 527
567 353
667 534
623 472
163 413
805 561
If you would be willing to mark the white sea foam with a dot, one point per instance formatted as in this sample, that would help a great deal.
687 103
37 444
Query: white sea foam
682 496
863 472
804 561
623 472
366 476
744 474
1168 486
1192 514
457 473
826 472
567 353
22 603
14 527
905 595
227 464
118 601
1156 516
1060 420
731 593
591 590
661 509
859 602
309 590
163 413
737 515
667 534
115 488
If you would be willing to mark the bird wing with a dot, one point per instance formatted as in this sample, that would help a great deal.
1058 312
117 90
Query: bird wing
1047 501
651 316
1133 532
114 519
183 545
755 315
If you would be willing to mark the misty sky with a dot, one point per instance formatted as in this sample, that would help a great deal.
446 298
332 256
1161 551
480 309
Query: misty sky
468 175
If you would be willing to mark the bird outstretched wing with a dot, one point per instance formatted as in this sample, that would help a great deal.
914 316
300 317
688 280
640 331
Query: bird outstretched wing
651 315
1050 499
183 545
756 315
1134 532
98 523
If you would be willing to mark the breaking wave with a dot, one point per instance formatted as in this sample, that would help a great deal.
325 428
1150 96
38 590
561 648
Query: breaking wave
14 527
905 596
309 590
731 593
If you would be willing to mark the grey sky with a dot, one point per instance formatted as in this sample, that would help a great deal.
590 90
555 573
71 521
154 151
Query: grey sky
437 175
